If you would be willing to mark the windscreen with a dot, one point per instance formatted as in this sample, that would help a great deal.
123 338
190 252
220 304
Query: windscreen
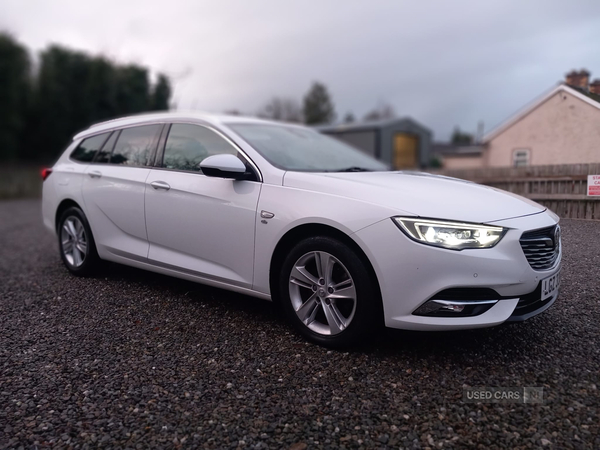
305 150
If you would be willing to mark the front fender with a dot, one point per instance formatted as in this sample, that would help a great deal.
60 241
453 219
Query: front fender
295 207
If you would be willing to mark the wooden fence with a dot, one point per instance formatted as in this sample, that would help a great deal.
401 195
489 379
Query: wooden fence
561 188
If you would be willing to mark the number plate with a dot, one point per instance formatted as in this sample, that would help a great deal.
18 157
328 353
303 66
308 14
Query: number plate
550 285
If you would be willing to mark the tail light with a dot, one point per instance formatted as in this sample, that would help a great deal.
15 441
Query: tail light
45 173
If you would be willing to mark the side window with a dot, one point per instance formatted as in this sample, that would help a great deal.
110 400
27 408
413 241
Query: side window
103 156
134 145
187 145
87 149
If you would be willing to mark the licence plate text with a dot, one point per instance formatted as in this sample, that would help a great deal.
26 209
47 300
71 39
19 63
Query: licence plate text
550 285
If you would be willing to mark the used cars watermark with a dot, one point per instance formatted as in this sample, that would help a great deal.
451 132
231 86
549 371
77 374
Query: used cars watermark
528 394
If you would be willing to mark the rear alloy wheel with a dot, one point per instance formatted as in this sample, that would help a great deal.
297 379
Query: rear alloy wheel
77 246
327 292
73 241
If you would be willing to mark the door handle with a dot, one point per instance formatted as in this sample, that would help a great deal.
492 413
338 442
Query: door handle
160 185
95 174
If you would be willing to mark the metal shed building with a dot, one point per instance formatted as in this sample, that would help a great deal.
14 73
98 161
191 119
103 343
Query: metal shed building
401 143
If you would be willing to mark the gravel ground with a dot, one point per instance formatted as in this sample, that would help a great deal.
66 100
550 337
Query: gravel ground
132 359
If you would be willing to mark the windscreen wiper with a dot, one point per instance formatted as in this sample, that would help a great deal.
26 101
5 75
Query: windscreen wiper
354 169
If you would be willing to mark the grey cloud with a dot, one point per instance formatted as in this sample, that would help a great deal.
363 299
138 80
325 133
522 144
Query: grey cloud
444 63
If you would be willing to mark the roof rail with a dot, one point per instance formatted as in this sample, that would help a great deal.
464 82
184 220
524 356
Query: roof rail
127 117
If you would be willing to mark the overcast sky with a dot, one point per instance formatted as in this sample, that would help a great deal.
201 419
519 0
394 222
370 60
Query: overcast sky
445 63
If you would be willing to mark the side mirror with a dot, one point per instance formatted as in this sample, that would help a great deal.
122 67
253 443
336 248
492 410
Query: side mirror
224 166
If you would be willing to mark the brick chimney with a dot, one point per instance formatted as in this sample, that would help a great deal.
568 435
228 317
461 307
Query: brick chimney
579 79
571 78
595 87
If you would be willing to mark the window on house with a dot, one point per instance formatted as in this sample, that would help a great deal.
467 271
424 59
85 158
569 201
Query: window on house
521 157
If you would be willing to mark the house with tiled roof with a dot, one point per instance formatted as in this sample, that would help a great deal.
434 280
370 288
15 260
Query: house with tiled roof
562 126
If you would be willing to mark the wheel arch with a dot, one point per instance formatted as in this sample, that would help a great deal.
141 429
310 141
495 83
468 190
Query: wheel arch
307 230
62 207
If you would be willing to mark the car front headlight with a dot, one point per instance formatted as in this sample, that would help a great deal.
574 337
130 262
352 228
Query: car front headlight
451 235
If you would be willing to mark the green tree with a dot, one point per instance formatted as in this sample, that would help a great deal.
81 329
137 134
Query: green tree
318 106
435 162
51 111
133 89
15 89
101 90
61 101
73 90
161 94
461 138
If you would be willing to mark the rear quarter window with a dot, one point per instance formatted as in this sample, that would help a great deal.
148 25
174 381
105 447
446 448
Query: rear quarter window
86 151
103 155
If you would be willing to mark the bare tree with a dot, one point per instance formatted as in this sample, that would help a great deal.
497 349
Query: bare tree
283 109
381 112
349 118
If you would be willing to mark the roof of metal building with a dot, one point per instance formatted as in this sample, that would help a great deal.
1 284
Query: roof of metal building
370 125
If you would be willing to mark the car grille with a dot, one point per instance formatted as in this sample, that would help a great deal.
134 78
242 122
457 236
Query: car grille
541 247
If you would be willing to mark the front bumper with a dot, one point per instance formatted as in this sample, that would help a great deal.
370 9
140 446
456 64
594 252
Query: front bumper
531 305
410 274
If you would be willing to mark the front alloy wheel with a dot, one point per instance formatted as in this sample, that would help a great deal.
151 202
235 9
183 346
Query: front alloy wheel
328 292
322 293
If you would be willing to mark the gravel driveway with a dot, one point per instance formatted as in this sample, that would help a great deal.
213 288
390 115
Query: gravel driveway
133 359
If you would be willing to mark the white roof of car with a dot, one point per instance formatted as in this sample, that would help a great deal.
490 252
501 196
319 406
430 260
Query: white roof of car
213 119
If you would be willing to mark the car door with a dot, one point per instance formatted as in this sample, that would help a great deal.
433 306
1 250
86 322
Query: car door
199 224
113 192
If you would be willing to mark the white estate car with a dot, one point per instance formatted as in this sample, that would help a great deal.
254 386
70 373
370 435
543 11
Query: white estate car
282 212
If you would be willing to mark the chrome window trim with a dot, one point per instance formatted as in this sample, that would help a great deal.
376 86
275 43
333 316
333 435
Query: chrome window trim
78 162
172 122
122 127
199 173
117 129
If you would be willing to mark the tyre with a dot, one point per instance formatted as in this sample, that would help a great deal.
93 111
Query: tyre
328 294
76 243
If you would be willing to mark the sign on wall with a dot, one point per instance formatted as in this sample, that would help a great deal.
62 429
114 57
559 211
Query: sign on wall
593 186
